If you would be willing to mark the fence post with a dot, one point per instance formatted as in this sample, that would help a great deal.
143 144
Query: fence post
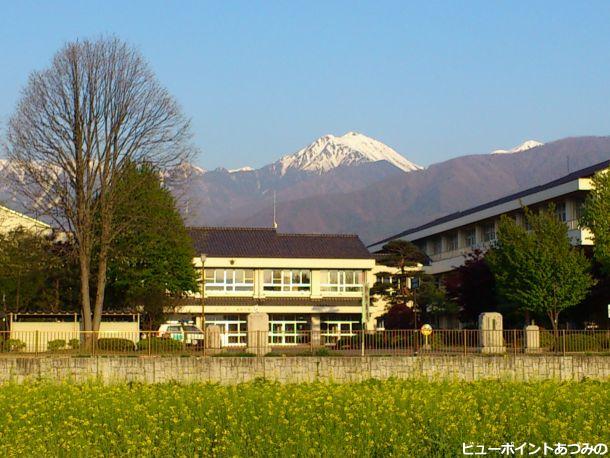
563 332
311 341
515 342
362 337
150 343
36 343
465 336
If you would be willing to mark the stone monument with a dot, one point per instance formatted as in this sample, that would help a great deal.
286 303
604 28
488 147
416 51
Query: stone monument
212 337
491 338
258 333
532 339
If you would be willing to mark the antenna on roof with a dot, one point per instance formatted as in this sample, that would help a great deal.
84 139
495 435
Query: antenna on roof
274 212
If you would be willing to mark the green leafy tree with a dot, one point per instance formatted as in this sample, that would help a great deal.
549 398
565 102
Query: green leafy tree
36 273
401 254
152 258
538 269
596 217
401 311
434 300
471 286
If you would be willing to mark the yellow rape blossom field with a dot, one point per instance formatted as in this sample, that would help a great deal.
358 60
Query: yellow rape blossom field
373 418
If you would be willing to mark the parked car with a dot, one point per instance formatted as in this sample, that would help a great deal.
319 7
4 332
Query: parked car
182 332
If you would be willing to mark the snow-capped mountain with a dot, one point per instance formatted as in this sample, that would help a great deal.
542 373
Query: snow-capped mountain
242 169
329 152
526 145
352 184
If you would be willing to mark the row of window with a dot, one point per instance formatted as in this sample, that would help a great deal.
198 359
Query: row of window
488 234
286 329
488 231
238 280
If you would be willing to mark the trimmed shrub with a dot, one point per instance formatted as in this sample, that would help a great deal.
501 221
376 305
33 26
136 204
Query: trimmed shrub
236 354
56 345
11 345
115 344
74 344
322 352
574 342
390 340
159 344
586 342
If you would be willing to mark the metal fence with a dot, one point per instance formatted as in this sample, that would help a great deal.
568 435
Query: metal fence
302 343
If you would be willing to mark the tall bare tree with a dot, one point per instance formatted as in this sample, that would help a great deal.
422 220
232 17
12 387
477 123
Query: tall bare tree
96 108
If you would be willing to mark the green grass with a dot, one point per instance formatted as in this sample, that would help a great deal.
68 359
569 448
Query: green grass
390 418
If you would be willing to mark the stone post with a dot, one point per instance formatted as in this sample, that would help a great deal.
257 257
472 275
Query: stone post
315 331
491 339
258 333
532 339
212 337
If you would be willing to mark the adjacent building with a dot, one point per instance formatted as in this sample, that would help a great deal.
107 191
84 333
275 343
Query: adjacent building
305 283
447 240
11 220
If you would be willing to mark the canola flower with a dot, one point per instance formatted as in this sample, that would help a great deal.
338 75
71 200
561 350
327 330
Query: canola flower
265 419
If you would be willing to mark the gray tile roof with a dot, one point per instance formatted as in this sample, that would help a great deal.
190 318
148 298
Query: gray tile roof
239 242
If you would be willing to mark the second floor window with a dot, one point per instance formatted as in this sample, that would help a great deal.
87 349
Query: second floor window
437 246
452 242
341 281
489 232
560 212
229 280
470 237
287 280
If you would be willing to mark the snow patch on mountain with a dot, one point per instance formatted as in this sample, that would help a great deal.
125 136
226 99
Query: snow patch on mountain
242 169
526 145
329 152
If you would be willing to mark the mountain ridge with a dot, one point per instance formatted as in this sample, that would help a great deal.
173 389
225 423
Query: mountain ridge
374 198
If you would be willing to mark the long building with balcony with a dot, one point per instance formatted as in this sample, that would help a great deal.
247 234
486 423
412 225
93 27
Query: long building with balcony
305 283
447 240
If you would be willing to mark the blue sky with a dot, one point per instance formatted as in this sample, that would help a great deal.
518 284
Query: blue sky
433 80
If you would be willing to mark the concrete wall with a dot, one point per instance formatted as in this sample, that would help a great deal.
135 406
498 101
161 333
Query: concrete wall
232 370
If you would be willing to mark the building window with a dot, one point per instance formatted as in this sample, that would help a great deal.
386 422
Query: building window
437 246
560 212
341 281
489 232
289 329
233 329
452 242
335 327
579 207
470 236
384 278
229 280
287 280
